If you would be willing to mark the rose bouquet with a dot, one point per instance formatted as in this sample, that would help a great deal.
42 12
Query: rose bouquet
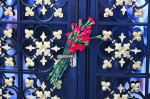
78 39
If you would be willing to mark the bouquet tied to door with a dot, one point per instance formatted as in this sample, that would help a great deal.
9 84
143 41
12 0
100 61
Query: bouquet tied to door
78 40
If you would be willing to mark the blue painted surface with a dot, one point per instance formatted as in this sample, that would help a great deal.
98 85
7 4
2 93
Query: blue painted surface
94 63
20 71
80 82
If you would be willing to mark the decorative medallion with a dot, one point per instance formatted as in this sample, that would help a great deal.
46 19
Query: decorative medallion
122 50
121 92
124 4
4 47
43 47
41 92
7 10
9 82
45 4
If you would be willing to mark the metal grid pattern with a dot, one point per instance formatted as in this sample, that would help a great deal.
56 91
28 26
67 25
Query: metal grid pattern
28 77
96 73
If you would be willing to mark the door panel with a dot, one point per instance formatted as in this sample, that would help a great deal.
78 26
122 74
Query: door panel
111 68
103 70
34 35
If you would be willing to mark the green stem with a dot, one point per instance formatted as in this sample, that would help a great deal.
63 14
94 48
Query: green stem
59 68
62 71
97 38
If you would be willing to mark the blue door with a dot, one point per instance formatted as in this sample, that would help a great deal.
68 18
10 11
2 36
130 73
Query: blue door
32 34
119 68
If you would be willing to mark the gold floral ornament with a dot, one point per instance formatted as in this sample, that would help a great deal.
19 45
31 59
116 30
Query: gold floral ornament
40 94
58 85
123 3
9 61
137 65
127 2
107 64
55 97
9 82
137 36
29 11
43 48
8 33
57 34
28 33
117 96
122 50
58 12
139 13
135 86
29 62
108 12
123 92
105 85
107 34
8 10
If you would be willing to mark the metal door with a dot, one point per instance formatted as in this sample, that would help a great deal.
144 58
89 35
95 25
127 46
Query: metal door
32 35
119 68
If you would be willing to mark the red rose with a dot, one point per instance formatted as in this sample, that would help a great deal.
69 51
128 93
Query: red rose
85 32
72 32
89 31
85 38
82 47
91 19
85 29
76 26
73 24
79 38
69 42
90 26
72 49
80 20
77 46
93 22
88 39
68 34
77 30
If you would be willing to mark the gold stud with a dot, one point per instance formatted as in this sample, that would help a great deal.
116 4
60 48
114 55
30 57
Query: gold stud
43 61
43 10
